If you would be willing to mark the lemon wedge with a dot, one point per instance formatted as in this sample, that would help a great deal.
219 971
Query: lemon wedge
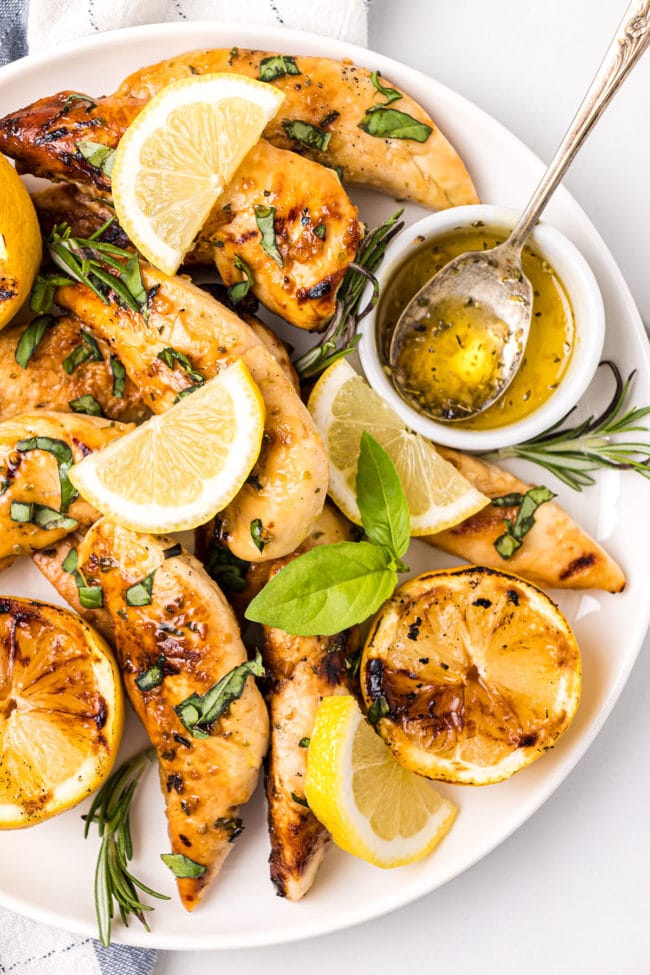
61 711
343 405
20 242
178 154
373 807
177 470
477 674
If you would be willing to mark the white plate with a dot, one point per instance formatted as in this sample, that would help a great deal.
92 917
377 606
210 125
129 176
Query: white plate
47 872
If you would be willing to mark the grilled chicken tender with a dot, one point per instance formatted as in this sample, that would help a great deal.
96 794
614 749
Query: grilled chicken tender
556 552
288 484
31 476
303 671
45 385
189 633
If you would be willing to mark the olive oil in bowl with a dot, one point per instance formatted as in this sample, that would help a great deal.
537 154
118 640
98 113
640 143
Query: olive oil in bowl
547 354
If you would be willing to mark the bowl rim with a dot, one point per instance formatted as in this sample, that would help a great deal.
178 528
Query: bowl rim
589 317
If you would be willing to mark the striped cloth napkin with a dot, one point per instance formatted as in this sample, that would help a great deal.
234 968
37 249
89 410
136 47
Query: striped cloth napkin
27 947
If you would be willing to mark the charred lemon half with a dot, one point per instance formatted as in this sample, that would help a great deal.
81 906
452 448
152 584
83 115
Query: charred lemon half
61 711
470 674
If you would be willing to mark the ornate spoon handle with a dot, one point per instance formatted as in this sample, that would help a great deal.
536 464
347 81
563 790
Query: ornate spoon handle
627 46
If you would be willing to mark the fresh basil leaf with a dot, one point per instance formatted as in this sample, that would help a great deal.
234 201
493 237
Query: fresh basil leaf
257 533
226 569
131 278
277 66
186 392
307 134
21 511
86 404
382 504
44 288
198 712
265 220
139 594
182 866
70 562
320 230
232 825
49 519
515 533
148 679
389 93
64 459
87 351
171 356
326 590
77 97
240 289
31 338
100 156
304 743
389 123
378 710
91 597
119 377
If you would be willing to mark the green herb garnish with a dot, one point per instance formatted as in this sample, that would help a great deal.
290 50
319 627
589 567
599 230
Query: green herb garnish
390 94
87 351
182 866
41 298
139 594
86 404
199 712
171 356
91 597
339 339
333 587
49 519
571 453
277 66
99 156
64 459
115 887
31 338
21 511
228 571
119 377
265 220
304 743
240 289
153 677
320 230
513 538
389 123
257 534
307 134
78 97
378 710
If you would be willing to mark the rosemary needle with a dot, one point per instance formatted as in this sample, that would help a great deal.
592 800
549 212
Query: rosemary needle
571 453
115 886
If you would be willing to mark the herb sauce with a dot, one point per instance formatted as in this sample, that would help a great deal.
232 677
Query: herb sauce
551 338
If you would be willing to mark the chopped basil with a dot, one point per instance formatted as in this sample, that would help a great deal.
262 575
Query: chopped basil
513 537
91 597
31 338
153 677
182 866
265 220
77 97
41 298
389 123
226 569
277 66
389 93
198 712
86 404
48 519
240 289
257 530
172 551
64 459
132 281
171 356
21 511
320 230
119 377
300 800
186 392
99 156
233 825
307 134
328 119
378 709
304 743
87 351
139 594
70 562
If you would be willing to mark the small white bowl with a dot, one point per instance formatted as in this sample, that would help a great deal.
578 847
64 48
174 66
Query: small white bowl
588 312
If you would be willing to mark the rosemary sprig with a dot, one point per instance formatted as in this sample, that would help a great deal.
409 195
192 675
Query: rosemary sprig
340 339
571 453
114 884
101 266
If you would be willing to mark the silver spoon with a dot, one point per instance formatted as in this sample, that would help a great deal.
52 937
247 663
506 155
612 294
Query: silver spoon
482 300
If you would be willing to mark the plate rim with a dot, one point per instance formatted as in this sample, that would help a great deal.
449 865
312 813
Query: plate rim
247 33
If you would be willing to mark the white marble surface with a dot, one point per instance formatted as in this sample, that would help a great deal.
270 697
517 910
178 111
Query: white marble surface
568 892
